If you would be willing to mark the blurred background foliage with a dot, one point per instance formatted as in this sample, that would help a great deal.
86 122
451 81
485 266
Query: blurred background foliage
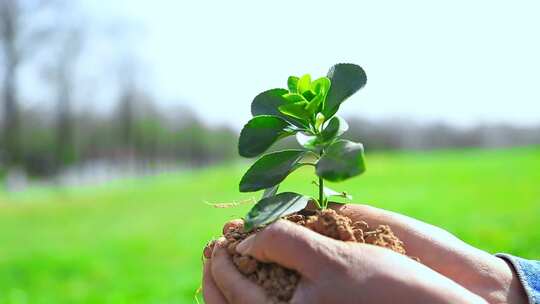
44 135
55 123
103 179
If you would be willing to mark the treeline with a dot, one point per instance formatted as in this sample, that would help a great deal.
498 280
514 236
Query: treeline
405 134
146 136
139 132
53 70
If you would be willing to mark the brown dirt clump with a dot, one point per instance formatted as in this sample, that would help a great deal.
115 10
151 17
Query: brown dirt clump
280 282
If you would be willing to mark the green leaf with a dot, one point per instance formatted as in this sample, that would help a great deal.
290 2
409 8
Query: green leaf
342 160
261 132
319 88
304 83
315 104
335 127
297 110
321 85
346 80
309 94
292 83
268 102
273 208
294 97
270 170
270 191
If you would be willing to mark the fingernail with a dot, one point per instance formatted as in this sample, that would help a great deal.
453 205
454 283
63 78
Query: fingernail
244 246
209 249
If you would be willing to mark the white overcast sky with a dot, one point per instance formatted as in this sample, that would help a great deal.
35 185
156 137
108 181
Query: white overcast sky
460 61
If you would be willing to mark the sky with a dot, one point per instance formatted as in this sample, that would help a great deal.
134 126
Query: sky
463 62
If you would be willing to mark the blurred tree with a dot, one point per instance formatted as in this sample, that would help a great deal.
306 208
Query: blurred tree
130 98
64 77
9 24
38 141
19 39
125 115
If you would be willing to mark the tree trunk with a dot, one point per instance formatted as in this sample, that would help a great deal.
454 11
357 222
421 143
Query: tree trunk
65 149
11 128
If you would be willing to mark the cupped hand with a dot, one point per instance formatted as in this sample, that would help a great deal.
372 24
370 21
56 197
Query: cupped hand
478 271
332 272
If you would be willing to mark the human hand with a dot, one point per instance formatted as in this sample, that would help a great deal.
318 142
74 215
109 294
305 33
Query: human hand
478 271
332 272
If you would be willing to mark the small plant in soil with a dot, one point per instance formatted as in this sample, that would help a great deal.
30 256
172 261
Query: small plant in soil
308 110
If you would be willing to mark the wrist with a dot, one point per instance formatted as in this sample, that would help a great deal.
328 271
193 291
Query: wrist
520 290
507 288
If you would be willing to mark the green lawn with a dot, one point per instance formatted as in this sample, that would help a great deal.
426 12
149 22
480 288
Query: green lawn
140 241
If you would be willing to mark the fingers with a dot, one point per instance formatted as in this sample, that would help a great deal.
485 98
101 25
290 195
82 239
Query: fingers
233 225
211 293
435 247
292 246
306 292
373 216
414 233
235 287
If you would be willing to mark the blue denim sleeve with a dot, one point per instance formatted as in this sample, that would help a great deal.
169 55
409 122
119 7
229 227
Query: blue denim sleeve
528 273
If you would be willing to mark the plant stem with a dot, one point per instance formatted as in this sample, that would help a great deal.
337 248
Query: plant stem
322 204
322 199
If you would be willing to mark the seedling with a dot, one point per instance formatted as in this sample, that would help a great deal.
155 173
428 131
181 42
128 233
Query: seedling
306 109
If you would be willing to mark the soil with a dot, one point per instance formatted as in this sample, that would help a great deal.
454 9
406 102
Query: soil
280 282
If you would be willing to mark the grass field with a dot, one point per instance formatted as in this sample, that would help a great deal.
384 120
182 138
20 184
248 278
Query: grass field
140 241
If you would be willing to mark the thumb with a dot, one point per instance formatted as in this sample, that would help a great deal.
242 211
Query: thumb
292 246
